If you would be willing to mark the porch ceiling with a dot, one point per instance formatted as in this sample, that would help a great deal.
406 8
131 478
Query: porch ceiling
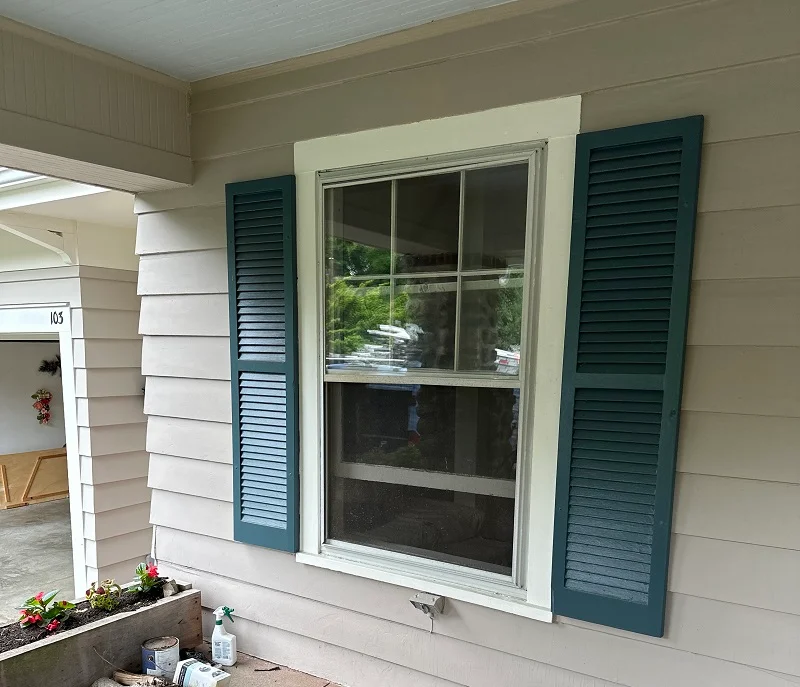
196 39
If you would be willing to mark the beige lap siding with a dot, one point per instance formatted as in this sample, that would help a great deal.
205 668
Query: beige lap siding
111 424
733 611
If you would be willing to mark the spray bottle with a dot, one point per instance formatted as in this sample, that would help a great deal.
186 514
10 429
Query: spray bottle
223 643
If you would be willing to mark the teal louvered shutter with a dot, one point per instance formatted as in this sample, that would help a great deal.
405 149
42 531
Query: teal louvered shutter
262 297
634 208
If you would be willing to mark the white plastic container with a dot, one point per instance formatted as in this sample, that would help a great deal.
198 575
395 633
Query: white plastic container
223 643
194 673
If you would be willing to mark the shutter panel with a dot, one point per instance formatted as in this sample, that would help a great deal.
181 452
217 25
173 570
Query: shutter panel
262 298
634 212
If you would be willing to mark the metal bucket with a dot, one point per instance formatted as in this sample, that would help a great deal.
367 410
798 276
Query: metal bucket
160 656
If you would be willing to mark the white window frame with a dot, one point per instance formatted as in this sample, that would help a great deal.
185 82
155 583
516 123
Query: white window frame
553 125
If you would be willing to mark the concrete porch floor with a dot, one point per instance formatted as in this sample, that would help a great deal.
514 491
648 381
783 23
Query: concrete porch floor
253 672
35 554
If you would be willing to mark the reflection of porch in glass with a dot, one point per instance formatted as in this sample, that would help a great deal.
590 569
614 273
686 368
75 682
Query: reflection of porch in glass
515 280
388 337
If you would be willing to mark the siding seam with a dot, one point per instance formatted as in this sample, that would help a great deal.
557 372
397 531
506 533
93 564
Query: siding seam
700 72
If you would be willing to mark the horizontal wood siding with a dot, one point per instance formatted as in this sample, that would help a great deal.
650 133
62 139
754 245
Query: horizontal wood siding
734 604
384 621
111 422
121 466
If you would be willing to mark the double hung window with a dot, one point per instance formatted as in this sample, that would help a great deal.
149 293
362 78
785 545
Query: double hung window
427 283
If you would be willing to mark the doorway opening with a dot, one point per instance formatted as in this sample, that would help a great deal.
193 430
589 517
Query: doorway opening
38 433
74 503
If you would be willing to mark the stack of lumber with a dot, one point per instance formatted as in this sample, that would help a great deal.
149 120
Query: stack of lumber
33 477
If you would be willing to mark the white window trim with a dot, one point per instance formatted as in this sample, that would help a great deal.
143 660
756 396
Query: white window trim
555 122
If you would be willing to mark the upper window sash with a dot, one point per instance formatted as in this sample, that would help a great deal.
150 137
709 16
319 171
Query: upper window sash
530 154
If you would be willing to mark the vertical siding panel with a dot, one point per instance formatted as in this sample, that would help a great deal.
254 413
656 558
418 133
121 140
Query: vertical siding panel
153 127
54 77
137 109
62 85
28 57
18 62
3 70
6 70
113 105
40 81
69 90
163 99
104 102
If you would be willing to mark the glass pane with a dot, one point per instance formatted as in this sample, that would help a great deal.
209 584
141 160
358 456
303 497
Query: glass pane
452 497
358 229
357 310
427 223
491 323
371 326
495 210
474 531
426 312
453 429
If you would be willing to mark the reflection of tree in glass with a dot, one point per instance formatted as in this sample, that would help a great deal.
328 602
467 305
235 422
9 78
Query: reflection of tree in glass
509 318
350 259
353 309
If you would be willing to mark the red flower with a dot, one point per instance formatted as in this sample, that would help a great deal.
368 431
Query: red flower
152 571
38 405
28 618
39 596
53 625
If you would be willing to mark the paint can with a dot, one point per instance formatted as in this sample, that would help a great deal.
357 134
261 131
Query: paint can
160 655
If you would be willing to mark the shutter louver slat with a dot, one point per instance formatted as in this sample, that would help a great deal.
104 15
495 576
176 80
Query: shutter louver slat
263 348
633 223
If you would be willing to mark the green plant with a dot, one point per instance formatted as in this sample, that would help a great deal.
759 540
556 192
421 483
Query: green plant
43 610
353 309
104 595
148 577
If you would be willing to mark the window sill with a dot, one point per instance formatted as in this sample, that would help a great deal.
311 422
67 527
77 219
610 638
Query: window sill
510 601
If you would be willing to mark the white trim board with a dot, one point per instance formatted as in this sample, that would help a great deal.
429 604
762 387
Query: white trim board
555 123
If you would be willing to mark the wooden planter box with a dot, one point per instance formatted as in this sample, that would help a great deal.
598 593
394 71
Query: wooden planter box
76 658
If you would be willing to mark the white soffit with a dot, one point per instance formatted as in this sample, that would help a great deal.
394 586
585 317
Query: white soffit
28 193
20 189
203 38
113 208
